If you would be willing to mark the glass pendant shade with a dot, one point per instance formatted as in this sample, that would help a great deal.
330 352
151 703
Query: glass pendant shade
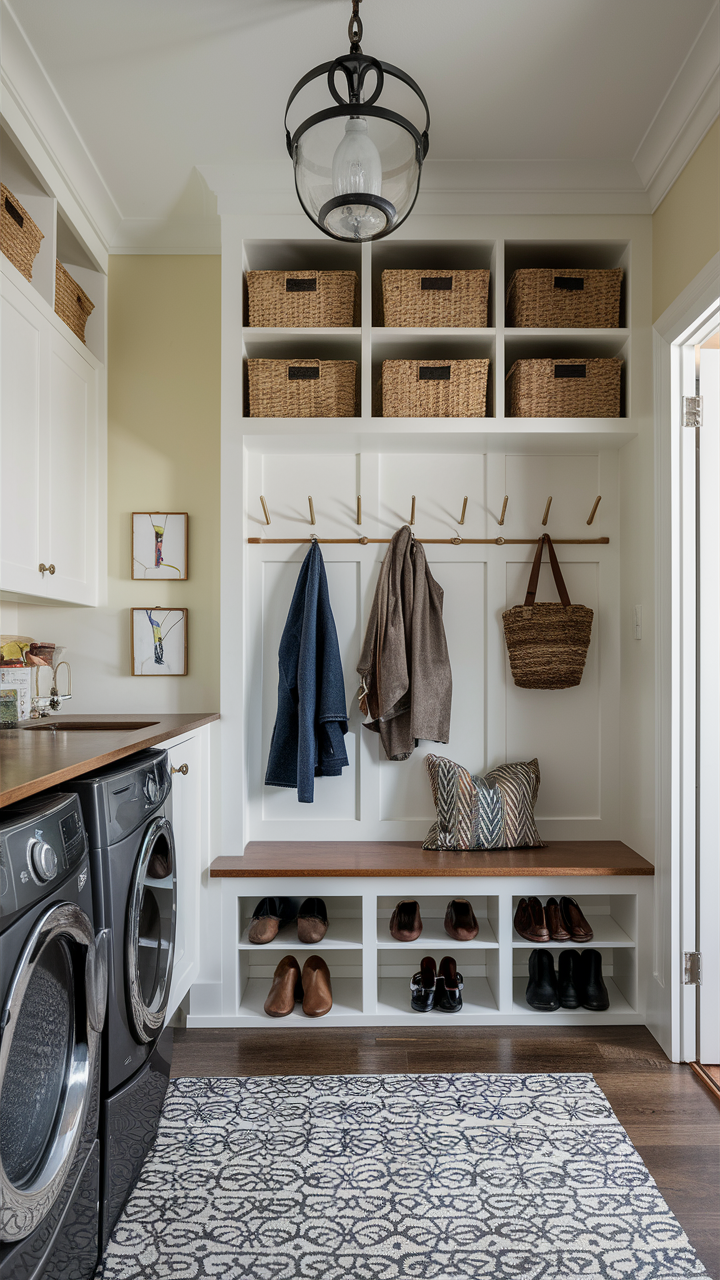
357 163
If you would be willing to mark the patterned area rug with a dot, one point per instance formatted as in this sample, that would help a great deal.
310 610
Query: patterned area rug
439 1177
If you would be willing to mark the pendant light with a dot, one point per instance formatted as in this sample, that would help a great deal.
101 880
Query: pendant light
357 163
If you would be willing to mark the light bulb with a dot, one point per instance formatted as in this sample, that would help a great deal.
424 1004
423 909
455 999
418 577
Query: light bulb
357 168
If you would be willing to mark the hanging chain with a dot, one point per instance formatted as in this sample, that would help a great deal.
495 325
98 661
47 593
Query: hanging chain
355 27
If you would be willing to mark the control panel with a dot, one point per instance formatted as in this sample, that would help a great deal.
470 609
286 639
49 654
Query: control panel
42 840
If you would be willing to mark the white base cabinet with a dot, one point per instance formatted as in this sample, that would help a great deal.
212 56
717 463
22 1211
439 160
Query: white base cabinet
52 454
189 761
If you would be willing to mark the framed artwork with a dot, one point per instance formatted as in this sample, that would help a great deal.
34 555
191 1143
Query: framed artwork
159 642
160 545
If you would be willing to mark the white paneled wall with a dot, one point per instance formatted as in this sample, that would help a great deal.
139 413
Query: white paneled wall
572 732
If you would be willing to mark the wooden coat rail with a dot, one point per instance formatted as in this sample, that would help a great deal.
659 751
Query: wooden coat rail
438 542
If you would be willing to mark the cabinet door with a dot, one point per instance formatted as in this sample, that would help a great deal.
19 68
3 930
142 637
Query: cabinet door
23 347
71 459
187 826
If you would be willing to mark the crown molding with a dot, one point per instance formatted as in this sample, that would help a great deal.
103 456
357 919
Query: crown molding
34 115
689 108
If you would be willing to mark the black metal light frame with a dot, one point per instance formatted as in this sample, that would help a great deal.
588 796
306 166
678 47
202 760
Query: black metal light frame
355 67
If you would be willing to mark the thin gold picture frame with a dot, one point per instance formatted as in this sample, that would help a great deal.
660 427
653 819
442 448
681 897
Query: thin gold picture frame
133 657
137 577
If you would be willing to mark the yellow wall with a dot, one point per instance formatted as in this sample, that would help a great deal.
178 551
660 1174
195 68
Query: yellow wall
686 226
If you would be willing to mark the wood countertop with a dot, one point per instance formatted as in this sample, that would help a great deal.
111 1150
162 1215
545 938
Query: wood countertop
404 858
33 759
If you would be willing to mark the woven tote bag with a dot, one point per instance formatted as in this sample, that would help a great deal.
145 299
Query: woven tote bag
547 643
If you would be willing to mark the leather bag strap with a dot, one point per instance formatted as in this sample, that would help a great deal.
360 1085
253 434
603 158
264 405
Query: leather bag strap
556 572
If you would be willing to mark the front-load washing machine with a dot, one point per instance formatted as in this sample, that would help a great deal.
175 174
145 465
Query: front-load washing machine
128 816
53 989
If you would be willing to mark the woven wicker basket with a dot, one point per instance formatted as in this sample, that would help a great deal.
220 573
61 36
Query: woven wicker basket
299 299
547 643
19 236
434 388
565 388
302 388
435 299
545 298
72 304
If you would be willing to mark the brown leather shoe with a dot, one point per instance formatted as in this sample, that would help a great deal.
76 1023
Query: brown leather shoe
312 921
530 920
269 916
317 991
574 920
460 920
286 988
554 921
405 922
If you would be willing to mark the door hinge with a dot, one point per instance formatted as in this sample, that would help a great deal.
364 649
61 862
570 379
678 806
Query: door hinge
692 969
692 411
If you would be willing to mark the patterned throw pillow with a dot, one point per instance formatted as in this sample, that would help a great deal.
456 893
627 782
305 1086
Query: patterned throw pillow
494 812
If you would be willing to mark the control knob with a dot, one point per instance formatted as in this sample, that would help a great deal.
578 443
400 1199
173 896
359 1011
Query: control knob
43 860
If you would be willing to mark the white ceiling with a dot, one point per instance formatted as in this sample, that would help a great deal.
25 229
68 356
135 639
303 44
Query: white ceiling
157 88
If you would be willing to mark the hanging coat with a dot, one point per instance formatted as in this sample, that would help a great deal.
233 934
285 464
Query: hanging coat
307 740
405 668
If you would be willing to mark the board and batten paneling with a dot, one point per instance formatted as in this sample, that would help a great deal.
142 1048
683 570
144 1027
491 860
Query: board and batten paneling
570 731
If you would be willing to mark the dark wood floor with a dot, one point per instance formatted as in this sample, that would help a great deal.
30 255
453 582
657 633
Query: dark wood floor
668 1113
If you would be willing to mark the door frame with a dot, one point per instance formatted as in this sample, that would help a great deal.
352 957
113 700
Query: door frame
672 1005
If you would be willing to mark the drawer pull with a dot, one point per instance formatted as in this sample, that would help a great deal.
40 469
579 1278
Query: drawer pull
183 768
46 568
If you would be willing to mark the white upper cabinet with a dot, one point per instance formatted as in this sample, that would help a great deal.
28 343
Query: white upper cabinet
52 450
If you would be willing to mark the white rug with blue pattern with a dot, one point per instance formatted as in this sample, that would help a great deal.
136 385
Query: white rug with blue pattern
434 1177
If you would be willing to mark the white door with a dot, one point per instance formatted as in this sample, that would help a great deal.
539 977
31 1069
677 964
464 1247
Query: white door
23 419
71 483
186 762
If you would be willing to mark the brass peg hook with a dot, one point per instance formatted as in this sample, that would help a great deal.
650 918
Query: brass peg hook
312 510
504 509
358 519
412 511
462 517
266 513
596 504
547 511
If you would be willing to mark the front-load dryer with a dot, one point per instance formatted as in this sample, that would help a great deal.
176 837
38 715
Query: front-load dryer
128 815
53 988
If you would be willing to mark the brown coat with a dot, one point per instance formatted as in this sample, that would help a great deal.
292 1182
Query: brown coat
407 682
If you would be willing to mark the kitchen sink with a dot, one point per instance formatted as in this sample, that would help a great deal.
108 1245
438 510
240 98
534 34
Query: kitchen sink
94 726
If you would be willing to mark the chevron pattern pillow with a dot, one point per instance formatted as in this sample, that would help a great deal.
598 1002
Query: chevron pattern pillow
494 812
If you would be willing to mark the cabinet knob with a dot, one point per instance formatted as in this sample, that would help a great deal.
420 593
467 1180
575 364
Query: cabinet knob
183 768
46 568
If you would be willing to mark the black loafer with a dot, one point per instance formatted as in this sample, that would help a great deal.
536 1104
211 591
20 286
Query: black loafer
593 992
449 985
569 984
542 988
423 986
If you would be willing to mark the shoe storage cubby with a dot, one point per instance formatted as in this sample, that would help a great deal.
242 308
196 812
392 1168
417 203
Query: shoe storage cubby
370 970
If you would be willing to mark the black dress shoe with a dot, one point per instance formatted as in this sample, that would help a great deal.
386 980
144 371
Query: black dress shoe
449 985
542 988
423 985
569 985
593 992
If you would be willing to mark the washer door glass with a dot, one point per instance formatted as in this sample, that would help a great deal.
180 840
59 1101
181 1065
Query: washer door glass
47 1066
150 935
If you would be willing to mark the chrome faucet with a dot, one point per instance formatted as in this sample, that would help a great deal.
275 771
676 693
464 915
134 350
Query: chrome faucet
43 706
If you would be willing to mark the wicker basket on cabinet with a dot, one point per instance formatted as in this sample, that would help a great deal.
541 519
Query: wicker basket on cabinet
565 388
19 236
72 304
435 299
302 388
564 298
302 299
434 388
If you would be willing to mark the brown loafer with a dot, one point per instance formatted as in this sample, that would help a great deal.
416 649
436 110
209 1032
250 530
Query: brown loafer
286 989
269 916
312 921
460 920
574 920
530 920
405 922
554 920
317 991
